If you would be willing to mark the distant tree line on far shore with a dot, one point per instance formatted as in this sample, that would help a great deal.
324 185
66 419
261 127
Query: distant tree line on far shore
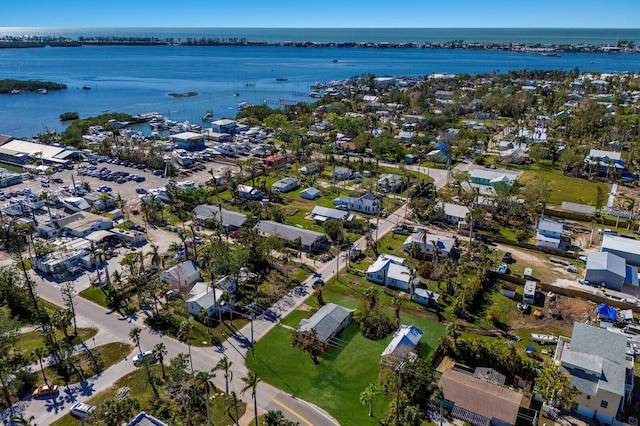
6 86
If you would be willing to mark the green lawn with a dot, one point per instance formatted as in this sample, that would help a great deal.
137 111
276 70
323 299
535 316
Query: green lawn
140 389
564 188
95 295
28 342
335 384
110 354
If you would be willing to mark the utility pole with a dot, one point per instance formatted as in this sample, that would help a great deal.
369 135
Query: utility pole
251 308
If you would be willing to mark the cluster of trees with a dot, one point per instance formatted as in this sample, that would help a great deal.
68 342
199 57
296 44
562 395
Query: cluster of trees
373 322
6 86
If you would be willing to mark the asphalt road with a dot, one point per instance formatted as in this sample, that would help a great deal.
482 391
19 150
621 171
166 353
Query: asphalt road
113 327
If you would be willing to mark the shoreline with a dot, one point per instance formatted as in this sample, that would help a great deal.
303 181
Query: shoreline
622 47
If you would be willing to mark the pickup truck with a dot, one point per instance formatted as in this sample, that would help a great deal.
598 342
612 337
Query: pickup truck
403 229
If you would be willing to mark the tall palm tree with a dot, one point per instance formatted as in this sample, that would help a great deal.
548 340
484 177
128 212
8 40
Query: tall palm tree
39 354
203 378
251 381
232 402
154 254
183 336
19 420
367 396
159 352
397 304
134 335
225 365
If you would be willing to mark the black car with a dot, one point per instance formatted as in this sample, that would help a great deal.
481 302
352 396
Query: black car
507 257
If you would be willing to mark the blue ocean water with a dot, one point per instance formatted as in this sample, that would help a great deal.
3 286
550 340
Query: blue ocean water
139 79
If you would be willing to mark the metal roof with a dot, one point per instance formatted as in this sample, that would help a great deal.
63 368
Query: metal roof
326 321
229 218
289 233
606 261
328 212
627 245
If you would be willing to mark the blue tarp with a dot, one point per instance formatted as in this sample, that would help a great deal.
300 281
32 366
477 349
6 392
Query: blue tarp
530 349
607 311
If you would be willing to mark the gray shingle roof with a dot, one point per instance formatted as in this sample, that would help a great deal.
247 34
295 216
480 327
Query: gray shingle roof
229 218
330 213
289 233
326 321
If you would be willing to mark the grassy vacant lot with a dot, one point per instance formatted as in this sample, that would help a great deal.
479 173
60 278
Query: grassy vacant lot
109 354
335 384
28 342
141 390
565 188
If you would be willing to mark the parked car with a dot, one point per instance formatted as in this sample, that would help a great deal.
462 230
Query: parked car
403 229
507 257
81 410
146 356
44 390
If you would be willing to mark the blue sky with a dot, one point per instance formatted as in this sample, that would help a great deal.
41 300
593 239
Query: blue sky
322 14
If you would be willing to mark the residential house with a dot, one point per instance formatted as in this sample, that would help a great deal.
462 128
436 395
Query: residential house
249 192
451 213
208 303
480 399
328 322
190 141
390 271
309 240
440 154
322 214
604 161
425 297
228 219
430 243
310 193
600 369
285 185
505 145
68 258
389 182
310 168
444 95
492 177
275 160
549 234
342 173
182 276
626 248
367 203
405 340
144 419
607 269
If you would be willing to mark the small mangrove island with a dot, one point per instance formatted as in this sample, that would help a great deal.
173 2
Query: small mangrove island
17 86
184 95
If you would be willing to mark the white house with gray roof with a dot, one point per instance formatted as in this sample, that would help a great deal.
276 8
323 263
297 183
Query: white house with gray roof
429 243
367 203
451 213
390 271
287 184
600 369
328 322
229 219
549 234
309 240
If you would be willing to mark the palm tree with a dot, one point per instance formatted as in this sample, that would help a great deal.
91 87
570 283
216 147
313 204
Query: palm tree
367 396
159 352
156 259
183 336
19 420
204 378
251 381
232 402
134 335
397 304
371 294
225 365
275 418
437 394
40 353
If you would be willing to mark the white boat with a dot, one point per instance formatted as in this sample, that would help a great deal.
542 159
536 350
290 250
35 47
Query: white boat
182 157
15 91
226 149
544 339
